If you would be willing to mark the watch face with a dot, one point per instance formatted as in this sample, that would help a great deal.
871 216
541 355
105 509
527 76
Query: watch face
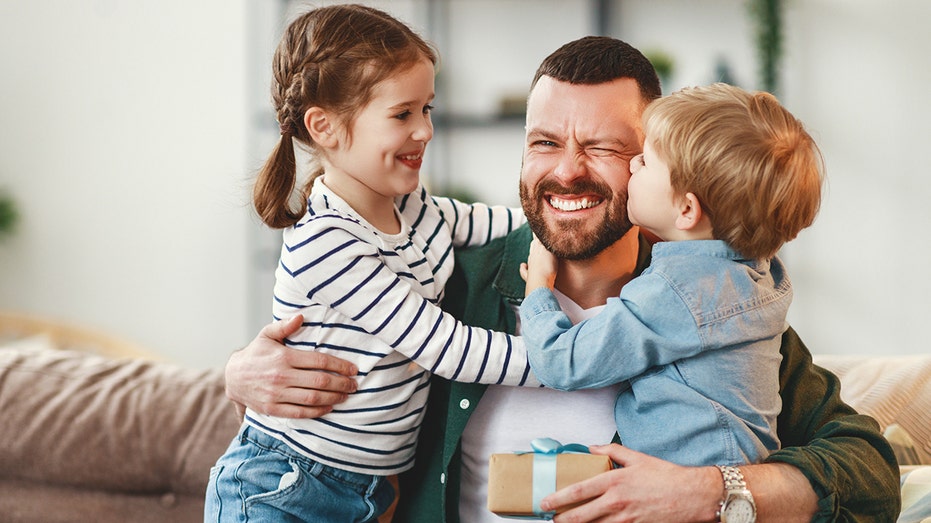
738 511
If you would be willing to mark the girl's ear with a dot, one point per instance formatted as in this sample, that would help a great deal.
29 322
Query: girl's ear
320 127
690 213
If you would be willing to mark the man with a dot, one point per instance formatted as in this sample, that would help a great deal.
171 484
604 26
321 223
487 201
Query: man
583 127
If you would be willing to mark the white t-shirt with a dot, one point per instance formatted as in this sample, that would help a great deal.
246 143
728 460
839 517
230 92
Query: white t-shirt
507 419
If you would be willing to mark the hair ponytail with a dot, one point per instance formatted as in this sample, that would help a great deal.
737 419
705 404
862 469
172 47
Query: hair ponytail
274 185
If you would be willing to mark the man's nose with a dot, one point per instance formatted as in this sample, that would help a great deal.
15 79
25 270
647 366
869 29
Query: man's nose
570 167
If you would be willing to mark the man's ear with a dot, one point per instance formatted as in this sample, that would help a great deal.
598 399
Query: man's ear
690 213
320 127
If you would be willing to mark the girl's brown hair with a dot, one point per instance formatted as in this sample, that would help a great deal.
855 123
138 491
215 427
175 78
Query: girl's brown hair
755 170
332 58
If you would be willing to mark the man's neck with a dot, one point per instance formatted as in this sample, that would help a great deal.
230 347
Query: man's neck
591 282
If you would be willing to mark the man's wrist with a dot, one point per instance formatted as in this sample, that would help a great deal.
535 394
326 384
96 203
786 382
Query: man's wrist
711 493
737 505
702 500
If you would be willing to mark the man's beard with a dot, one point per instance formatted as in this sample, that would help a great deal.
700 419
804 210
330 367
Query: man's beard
576 239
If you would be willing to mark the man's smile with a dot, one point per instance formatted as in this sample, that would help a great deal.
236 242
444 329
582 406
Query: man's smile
574 204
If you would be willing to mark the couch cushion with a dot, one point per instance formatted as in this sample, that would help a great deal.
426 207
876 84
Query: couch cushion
130 425
896 390
29 502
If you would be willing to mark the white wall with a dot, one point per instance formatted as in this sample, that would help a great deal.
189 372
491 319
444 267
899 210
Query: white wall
129 132
858 74
122 137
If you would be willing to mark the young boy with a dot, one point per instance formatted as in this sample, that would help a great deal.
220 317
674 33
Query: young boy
725 179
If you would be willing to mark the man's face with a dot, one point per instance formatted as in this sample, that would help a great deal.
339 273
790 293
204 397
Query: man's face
579 143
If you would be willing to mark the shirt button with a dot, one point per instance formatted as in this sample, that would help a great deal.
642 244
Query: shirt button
443 478
464 404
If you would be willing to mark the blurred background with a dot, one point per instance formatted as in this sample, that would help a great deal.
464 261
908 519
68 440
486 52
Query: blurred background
130 133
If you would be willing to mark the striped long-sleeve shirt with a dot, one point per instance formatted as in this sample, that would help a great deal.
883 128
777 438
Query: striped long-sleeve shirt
372 298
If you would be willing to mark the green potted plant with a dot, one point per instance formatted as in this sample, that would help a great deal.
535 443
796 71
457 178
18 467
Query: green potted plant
767 18
663 63
8 214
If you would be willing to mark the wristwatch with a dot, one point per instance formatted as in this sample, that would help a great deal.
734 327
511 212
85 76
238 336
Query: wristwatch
737 505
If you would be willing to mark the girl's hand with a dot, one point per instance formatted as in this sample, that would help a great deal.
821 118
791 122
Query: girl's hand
540 269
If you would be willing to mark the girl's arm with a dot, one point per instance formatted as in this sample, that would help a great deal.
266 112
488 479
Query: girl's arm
348 275
473 224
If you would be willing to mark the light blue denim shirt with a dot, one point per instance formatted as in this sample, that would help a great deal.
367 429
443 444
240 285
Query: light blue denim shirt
696 341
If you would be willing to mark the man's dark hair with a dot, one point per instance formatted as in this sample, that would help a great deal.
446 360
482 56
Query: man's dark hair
598 59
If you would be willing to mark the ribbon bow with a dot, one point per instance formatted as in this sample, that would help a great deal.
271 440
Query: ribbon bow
545 451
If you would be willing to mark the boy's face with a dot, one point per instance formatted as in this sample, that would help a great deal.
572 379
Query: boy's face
579 142
651 201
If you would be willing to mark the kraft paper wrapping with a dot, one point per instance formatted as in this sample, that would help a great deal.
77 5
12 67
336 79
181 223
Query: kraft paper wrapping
510 479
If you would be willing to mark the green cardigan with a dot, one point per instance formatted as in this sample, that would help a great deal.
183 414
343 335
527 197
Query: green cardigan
849 464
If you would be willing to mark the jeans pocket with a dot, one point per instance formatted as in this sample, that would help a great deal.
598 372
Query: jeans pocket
278 488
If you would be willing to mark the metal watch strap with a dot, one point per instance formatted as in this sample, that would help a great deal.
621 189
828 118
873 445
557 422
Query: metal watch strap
733 478
734 487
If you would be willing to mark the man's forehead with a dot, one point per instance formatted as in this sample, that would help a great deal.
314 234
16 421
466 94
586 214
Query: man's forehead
612 107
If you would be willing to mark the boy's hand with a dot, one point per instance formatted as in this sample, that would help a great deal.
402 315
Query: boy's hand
540 269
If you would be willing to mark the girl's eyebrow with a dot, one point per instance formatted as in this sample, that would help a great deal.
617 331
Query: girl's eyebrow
410 103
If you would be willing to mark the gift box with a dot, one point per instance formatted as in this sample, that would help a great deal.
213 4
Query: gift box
517 482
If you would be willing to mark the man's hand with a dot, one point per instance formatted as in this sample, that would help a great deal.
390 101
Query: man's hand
643 488
280 381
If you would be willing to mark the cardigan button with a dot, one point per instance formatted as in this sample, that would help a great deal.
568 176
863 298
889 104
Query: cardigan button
464 404
443 477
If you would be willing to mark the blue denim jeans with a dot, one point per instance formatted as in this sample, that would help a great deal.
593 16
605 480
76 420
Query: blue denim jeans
262 479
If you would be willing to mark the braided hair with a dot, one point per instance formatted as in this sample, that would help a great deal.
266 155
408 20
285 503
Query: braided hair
331 58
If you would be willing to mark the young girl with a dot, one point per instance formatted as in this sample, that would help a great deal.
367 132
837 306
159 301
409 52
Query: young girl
365 263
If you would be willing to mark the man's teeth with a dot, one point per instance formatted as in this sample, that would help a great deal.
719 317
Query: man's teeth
572 205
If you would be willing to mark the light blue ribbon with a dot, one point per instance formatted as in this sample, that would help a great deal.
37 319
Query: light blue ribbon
545 451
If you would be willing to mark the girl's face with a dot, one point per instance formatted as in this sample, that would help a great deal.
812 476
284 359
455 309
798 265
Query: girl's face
651 202
379 158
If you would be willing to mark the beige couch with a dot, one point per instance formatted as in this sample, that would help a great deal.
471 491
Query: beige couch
105 438
110 439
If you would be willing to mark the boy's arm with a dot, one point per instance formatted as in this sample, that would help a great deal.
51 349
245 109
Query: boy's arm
649 325
834 466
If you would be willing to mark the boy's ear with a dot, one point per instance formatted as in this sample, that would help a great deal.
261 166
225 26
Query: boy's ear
320 127
690 213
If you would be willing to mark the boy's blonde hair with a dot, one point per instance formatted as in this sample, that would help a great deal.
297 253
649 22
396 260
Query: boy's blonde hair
755 170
